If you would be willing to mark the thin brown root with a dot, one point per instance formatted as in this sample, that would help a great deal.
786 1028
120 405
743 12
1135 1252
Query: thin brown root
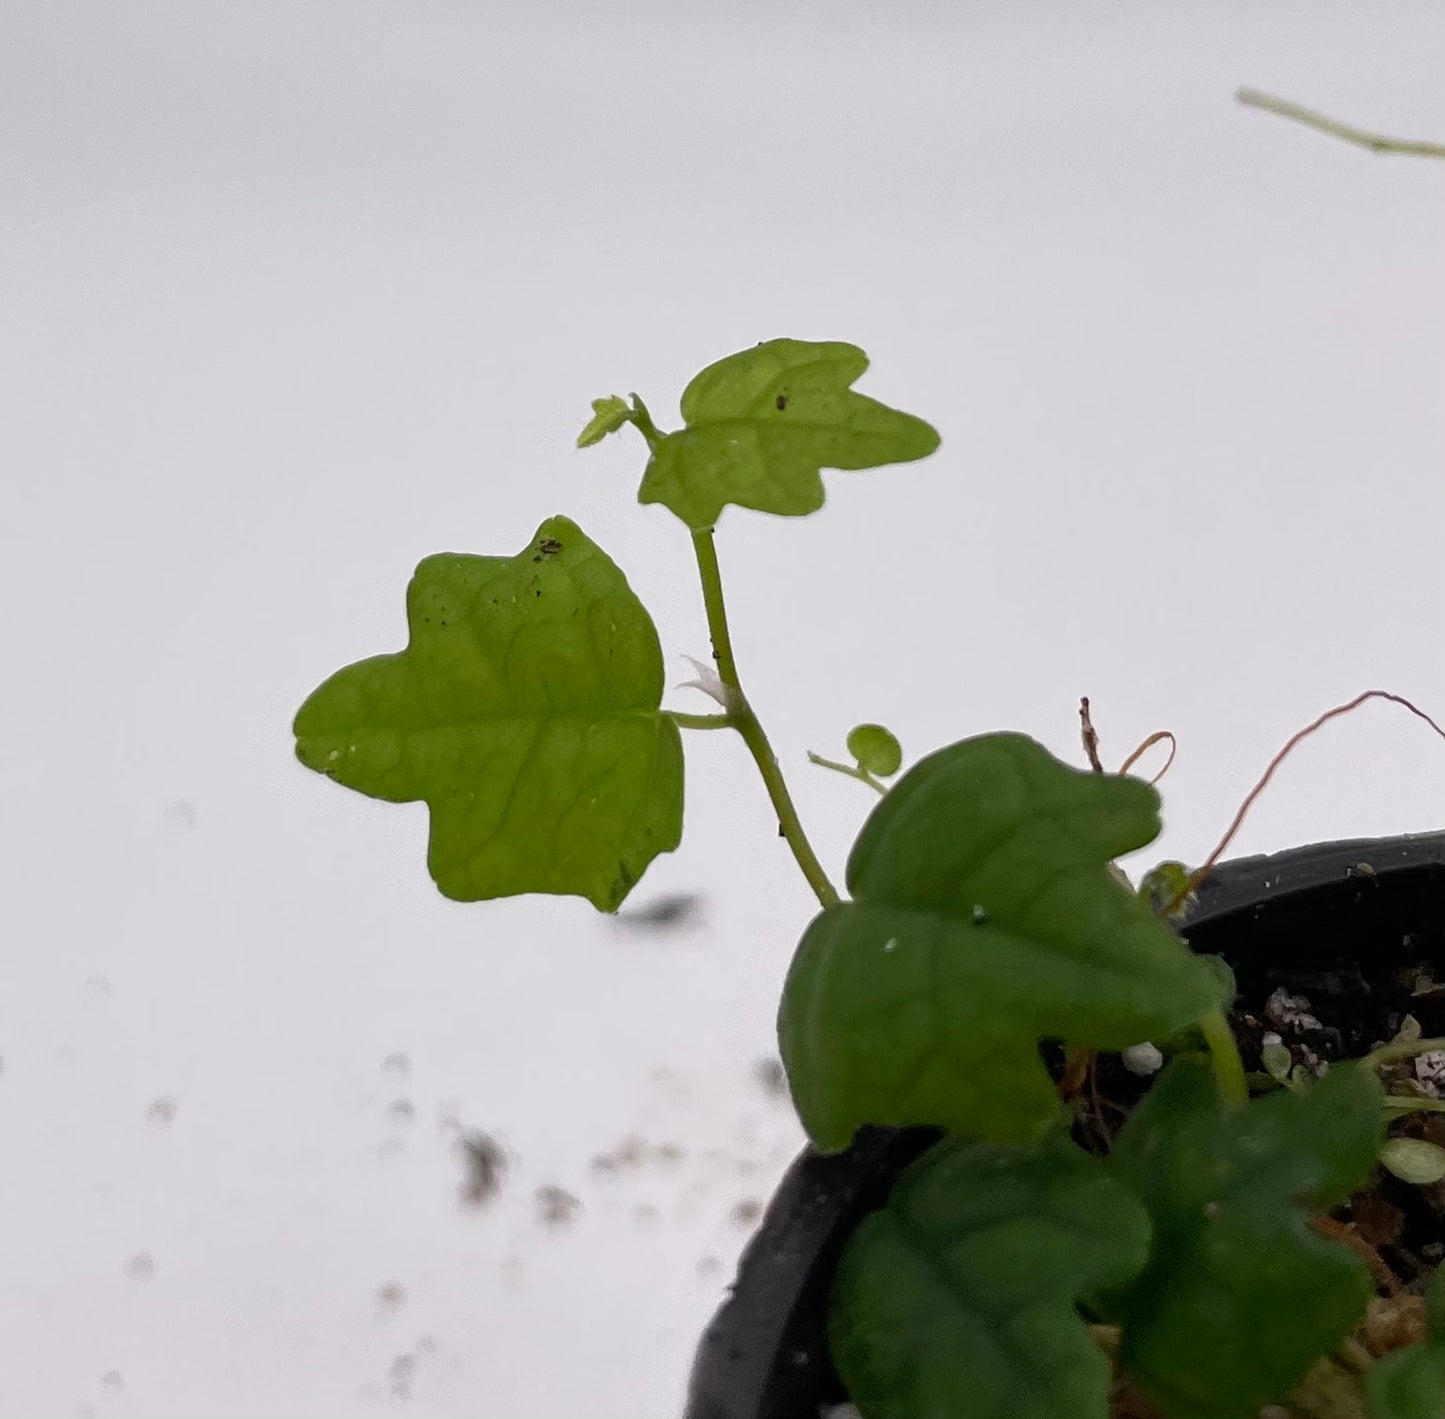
1078 1066
1155 738
1091 740
1201 873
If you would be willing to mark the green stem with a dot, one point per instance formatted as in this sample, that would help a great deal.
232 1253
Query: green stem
1398 1105
1375 142
1224 1056
747 723
1406 1049
852 770
643 420
705 549
700 721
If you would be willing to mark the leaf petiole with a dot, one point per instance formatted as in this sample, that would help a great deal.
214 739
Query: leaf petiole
1224 1057
701 721
1397 1050
851 770
643 420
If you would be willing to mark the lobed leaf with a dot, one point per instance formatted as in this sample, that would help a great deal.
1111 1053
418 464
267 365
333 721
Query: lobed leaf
1240 1296
984 919
958 1298
608 415
524 712
761 424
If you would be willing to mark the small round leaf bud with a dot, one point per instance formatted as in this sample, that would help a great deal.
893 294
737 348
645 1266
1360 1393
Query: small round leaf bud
875 749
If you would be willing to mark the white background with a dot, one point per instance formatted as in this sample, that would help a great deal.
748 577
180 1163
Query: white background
294 294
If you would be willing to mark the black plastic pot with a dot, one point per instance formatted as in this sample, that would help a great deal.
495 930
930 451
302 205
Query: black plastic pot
765 1354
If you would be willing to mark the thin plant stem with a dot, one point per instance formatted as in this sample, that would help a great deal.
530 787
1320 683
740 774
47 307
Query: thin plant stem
700 721
1398 1105
1395 1051
1224 1057
705 550
1361 138
643 420
747 723
852 770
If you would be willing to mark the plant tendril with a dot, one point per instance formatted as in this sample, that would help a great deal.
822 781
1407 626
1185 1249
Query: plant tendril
1158 736
1202 872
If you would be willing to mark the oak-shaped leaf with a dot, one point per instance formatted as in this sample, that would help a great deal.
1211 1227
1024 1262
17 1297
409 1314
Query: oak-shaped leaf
608 415
524 712
762 423
959 1297
1410 1383
1241 1295
984 920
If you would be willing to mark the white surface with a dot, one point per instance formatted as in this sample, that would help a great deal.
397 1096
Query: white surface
294 294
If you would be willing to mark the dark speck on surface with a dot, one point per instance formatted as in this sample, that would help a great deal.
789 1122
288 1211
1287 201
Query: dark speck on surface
666 913
485 1162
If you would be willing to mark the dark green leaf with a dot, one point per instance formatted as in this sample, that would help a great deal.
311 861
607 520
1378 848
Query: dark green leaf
524 713
1410 1384
958 1299
1241 1296
762 423
984 919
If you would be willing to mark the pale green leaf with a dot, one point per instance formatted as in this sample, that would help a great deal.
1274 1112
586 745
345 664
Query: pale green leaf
525 713
876 749
608 415
761 424
1276 1061
1414 1160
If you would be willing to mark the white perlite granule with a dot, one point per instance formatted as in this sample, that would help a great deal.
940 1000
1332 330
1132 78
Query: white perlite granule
1143 1059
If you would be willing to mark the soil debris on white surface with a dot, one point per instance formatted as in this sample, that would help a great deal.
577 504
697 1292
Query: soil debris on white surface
391 1295
162 1111
484 1161
556 1207
140 1267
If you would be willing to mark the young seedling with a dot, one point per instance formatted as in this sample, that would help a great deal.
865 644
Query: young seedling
1013 1272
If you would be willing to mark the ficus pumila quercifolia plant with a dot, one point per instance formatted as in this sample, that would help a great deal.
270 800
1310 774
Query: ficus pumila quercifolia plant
1013 1271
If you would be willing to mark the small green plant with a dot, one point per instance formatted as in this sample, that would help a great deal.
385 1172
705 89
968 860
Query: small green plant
1014 1271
